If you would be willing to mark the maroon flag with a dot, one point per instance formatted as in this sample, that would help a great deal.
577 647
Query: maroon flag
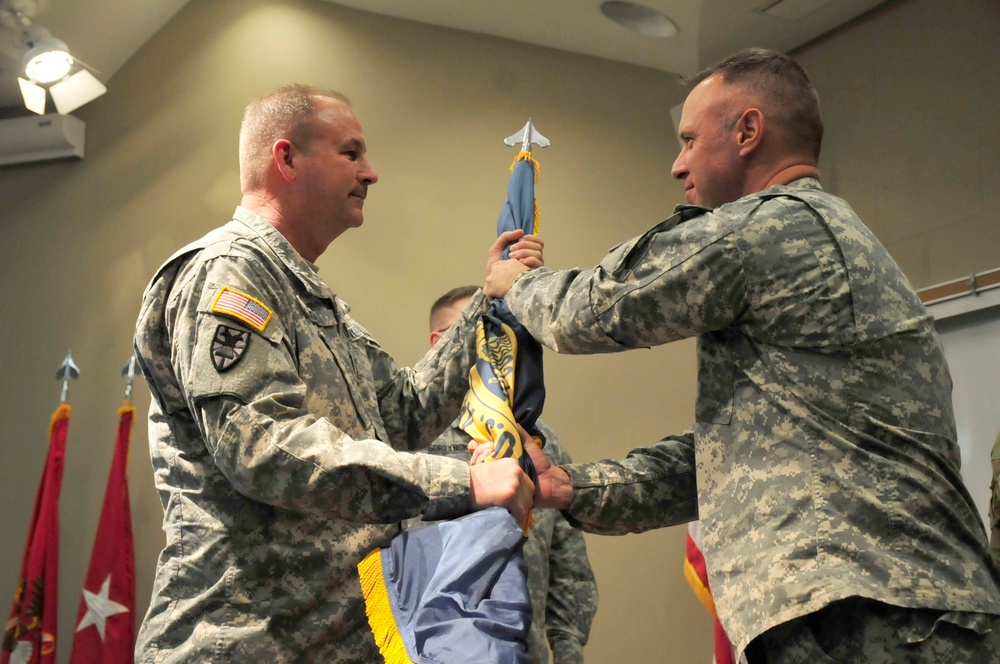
105 623
30 636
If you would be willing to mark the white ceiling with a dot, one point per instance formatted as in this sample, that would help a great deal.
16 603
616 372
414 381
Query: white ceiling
106 33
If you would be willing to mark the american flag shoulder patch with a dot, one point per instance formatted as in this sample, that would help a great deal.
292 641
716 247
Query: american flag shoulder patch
239 305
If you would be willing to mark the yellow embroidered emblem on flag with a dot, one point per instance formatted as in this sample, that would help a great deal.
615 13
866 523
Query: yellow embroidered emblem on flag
239 305
487 413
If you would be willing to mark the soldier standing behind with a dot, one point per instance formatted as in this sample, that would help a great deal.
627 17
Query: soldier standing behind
560 581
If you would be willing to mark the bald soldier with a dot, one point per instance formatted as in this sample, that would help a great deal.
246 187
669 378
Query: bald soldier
560 580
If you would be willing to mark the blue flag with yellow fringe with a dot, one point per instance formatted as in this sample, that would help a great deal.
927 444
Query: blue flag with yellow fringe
521 208
506 385
456 591
452 592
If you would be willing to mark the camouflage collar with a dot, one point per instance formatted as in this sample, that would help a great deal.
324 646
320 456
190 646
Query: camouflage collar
304 271
687 211
799 184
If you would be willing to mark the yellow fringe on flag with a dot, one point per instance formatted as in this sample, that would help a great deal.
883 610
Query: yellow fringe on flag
62 412
526 156
127 408
703 594
379 610
529 522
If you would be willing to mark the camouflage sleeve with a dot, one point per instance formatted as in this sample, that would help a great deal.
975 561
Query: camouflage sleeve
572 596
670 283
259 418
417 404
652 487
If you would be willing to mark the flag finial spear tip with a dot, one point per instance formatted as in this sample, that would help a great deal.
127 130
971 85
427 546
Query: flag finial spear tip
526 136
67 371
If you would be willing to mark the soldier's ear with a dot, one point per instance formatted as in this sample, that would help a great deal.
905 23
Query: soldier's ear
285 158
750 131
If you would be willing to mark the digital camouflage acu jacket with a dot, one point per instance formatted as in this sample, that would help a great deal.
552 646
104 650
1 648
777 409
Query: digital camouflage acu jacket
275 429
823 461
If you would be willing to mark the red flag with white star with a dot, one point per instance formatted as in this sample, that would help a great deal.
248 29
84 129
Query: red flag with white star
30 634
105 623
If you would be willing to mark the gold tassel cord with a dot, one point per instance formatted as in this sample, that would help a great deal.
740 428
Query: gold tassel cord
379 610
526 156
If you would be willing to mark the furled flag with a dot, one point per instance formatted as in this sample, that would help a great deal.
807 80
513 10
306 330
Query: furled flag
456 591
506 385
696 574
105 624
30 636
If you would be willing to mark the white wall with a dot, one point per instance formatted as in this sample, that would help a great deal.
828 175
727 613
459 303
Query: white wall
972 346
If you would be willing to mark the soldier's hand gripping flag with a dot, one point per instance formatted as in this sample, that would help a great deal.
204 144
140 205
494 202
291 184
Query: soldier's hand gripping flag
456 592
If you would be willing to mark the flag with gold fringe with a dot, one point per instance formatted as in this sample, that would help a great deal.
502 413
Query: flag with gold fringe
452 592
105 623
696 573
521 209
30 635
456 591
506 385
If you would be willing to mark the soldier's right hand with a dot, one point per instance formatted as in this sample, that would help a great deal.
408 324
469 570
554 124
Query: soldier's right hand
501 483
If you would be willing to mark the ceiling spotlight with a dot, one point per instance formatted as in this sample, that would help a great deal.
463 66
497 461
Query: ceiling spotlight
47 67
639 19
47 61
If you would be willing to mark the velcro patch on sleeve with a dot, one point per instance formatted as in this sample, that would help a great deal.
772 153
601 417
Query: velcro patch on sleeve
231 302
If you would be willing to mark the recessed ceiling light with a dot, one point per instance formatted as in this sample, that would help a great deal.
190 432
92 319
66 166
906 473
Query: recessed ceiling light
639 19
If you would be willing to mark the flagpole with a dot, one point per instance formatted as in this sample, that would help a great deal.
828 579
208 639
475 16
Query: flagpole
128 371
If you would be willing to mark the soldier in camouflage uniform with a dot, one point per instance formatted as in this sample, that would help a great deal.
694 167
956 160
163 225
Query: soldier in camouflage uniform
560 581
280 432
823 461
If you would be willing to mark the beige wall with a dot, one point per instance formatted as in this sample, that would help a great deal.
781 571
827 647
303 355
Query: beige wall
912 142
911 99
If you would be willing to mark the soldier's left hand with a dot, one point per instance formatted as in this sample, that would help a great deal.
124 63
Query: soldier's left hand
526 251
529 250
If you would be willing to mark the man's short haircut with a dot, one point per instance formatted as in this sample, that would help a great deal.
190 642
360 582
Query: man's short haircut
287 112
788 94
450 298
